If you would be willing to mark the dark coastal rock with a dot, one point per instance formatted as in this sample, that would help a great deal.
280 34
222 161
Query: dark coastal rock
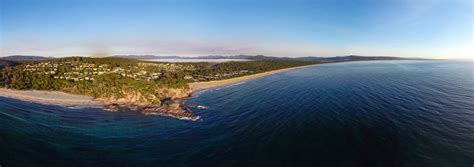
173 110
176 112
112 107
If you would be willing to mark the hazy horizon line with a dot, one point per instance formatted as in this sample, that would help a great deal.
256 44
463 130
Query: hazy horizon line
197 56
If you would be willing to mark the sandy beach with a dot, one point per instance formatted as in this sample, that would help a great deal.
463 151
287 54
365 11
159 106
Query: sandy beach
197 86
61 98
48 97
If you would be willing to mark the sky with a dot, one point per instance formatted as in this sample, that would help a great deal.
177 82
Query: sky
290 28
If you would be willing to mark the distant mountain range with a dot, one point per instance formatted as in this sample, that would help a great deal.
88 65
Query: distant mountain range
7 63
148 57
261 57
20 58
353 58
179 57
11 60
258 57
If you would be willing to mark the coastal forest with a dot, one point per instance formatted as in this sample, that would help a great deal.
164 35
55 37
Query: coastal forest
116 78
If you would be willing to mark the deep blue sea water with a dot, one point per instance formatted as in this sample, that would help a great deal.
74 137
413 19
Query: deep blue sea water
381 113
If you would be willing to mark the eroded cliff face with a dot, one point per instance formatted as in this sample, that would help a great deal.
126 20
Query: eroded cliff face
148 98
159 102
177 93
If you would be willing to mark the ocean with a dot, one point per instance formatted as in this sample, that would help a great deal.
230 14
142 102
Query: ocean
378 113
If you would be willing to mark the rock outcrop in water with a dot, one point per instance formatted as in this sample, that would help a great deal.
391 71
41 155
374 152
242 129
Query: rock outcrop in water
173 110
168 106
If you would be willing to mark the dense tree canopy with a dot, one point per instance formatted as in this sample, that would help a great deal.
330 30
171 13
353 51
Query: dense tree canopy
45 75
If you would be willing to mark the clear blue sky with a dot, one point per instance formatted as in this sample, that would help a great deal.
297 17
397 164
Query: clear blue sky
410 28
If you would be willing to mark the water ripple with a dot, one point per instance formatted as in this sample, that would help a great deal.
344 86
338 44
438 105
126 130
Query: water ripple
401 113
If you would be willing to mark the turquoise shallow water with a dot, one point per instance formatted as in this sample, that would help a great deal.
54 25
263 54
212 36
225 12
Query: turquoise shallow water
383 113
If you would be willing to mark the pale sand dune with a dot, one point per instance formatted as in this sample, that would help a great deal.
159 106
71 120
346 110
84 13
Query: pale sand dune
48 97
196 86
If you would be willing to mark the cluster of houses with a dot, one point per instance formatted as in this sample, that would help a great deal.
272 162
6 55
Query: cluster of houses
221 75
40 68
81 71
171 67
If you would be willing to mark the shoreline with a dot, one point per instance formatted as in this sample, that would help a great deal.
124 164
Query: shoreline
62 98
198 86
179 112
66 99
49 97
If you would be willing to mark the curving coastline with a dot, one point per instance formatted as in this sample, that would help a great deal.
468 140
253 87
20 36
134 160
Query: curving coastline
49 97
197 86
176 110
